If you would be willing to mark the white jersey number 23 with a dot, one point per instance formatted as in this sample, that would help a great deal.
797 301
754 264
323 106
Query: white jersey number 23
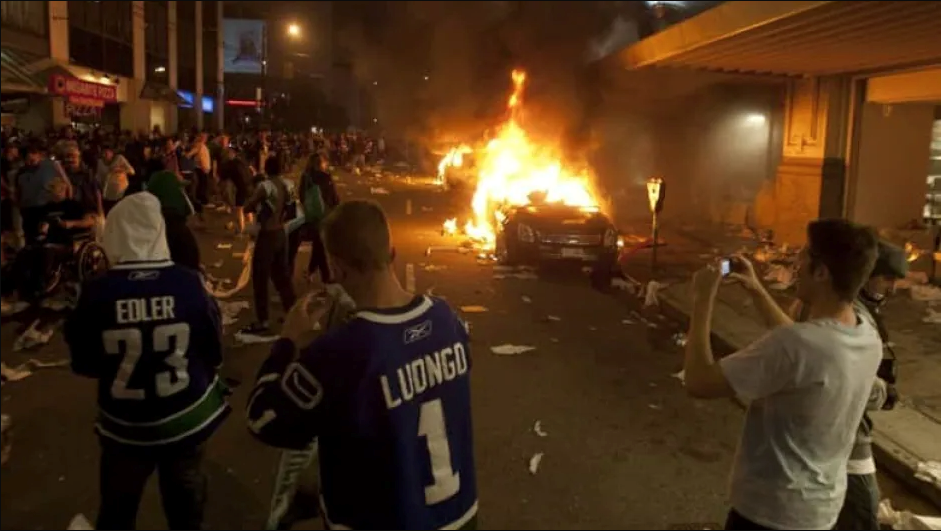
170 339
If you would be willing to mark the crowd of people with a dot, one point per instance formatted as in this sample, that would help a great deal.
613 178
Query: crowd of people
381 387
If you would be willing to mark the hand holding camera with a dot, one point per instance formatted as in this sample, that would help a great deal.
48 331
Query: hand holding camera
739 268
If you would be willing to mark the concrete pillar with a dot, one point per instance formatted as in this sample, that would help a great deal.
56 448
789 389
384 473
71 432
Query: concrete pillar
173 65
135 113
198 99
59 51
811 178
220 69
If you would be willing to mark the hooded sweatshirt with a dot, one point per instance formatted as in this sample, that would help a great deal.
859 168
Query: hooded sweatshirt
151 335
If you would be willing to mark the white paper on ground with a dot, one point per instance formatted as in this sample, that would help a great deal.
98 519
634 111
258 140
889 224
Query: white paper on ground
526 299
231 310
681 376
925 293
14 374
378 191
929 472
433 267
888 516
224 246
534 462
933 317
622 285
244 277
511 350
80 523
251 339
650 293
32 337
473 309
537 429
553 318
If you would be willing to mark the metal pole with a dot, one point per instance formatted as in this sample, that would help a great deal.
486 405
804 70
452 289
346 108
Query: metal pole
655 233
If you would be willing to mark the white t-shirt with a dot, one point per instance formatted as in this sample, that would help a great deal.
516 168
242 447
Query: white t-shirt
807 386
202 159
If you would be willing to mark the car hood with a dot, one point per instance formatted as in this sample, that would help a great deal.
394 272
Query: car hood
561 219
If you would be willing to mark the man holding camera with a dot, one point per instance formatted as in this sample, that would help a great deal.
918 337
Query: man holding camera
861 506
806 384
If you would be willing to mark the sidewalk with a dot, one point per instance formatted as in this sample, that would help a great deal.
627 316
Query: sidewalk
903 437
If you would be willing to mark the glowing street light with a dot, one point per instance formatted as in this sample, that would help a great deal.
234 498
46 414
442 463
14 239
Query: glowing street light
294 30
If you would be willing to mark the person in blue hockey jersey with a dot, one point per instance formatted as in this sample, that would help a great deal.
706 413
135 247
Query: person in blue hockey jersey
386 394
151 335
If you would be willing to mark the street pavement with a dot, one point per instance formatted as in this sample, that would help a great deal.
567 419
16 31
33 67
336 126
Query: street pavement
623 447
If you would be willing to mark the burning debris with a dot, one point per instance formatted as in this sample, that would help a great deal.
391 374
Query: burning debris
511 170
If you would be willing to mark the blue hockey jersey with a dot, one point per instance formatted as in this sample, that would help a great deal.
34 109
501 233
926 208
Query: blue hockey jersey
151 335
387 395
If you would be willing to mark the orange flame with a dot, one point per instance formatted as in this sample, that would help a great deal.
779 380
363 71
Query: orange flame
511 168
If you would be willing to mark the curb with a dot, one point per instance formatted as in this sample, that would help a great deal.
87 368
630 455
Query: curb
892 458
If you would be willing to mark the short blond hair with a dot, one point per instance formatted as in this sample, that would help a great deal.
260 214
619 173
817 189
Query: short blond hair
357 233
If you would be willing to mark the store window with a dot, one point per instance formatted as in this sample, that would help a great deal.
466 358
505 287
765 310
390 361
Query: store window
186 45
101 36
933 196
157 41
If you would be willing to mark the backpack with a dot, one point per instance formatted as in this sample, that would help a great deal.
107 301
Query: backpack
314 206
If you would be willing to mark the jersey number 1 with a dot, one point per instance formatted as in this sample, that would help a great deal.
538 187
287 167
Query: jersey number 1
174 336
431 426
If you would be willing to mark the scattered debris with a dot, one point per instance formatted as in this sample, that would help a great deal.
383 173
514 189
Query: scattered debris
473 309
929 472
446 249
933 317
426 209
627 321
217 265
553 318
681 376
251 339
224 246
433 267
537 429
8 308
889 517
378 191
504 268
80 523
59 303
24 370
593 328
679 339
780 277
925 293
554 339
534 462
623 285
231 310
526 299
511 350
649 293
655 407
32 337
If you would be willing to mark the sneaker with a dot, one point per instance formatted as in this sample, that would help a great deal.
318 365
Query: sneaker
256 333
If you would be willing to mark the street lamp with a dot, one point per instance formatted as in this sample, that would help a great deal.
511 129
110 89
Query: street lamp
656 193
294 30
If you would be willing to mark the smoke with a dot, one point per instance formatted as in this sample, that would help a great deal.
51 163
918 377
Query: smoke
442 69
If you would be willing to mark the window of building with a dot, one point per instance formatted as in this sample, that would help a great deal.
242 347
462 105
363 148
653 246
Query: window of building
156 41
26 16
101 36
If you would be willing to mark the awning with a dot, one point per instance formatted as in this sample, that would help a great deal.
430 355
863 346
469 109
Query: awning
15 76
160 92
798 38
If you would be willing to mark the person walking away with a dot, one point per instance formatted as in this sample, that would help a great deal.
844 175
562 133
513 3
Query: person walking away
270 256
235 178
176 209
391 415
318 195
202 172
861 506
806 384
171 160
152 336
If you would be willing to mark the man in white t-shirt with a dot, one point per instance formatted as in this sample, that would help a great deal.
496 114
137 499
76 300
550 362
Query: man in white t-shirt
806 384
203 172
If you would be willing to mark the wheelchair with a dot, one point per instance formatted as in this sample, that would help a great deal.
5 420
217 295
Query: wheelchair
41 268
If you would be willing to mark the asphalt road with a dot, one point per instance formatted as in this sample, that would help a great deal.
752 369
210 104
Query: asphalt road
624 447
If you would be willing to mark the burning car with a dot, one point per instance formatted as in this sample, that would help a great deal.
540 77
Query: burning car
541 232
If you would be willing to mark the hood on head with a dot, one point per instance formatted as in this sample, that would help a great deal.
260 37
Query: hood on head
135 231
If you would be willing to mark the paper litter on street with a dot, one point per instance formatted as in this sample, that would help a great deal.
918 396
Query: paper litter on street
473 309
780 277
679 339
681 376
933 317
378 191
511 350
80 523
433 267
217 265
526 299
925 293
623 285
33 337
224 246
231 310
627 321
537 429
26 369
929 472
888 516
553 318
534 462
250 339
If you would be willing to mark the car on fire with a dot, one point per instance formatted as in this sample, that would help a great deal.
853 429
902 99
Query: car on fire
541 232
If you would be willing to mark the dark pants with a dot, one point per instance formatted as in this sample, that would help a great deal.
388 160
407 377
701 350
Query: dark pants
736 522
125 471
32 217
861 507
318 253
270 260
199 189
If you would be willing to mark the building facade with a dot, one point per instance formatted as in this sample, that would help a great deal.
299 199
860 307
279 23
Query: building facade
130 65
